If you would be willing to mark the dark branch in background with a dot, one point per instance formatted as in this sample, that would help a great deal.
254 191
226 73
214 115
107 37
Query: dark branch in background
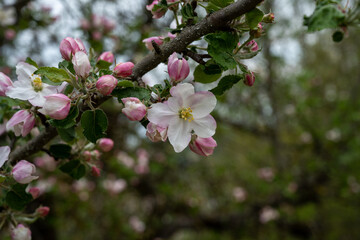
215 21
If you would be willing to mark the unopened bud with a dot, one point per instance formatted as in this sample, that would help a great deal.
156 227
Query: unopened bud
81 64
178 69
134 109
256 33
156 11
268 18
107 56
106 84
105 144
5 82
42 211
35 192
249 79
23 172
123 70
203 146
95 171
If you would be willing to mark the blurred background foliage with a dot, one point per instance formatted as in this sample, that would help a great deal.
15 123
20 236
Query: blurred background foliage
287 162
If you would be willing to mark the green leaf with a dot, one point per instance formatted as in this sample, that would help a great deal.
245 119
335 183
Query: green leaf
17 197
101 64
69 121
207 73
31 62
125 83
94 124
74 168
67 134
60 150
215 5
140 93
324 16
221 47
67 65
69 89
254 17
53 74
103 72
225 84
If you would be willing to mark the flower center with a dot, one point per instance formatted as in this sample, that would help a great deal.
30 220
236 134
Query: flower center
186 114
36 82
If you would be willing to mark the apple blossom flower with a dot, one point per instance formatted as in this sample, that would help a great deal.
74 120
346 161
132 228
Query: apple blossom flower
107 56
148 42
178 69
23 172
4 154
81 64
105 144
252 45
42 211
69 46
114 186
249 79
266 174
21 123
85 24
35 192
159 12
134 109
20 233
30 87
268 214
156 133
123 70
203 146
106 84
239 194
184 112
5 82
56 106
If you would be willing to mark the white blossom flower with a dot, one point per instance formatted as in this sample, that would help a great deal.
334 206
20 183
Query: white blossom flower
30 87
185 112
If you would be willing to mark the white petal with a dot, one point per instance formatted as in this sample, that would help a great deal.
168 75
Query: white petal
4 155
22 93
38 100
161 114
182 92
173 104
179 134
202 104
204 127
24 71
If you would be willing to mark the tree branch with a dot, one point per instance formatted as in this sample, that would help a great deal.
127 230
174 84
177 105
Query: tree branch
213 22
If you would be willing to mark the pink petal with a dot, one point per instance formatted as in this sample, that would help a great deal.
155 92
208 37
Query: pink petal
183 91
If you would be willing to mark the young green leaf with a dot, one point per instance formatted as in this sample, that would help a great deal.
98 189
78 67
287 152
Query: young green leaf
94 124
31 62
324 16
140 93
254 17
67 134
74 168
17 197
225 84
53 74
210 72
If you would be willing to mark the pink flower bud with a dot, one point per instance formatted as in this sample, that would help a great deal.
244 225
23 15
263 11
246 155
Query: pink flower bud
105 144
158 13
123 70
96 154
95 171
21 123
268 18
10 34
97 35
22 172
21 233
57 106
81 64
108 24
70 46
87 156
5 82
107 56
85 24
148 42
178 69
203 146
35 192
252 45
42 211
156 133
106 84
134 109
256 33
249 79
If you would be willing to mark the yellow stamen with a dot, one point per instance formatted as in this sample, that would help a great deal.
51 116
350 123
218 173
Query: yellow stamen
37 83
186 114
